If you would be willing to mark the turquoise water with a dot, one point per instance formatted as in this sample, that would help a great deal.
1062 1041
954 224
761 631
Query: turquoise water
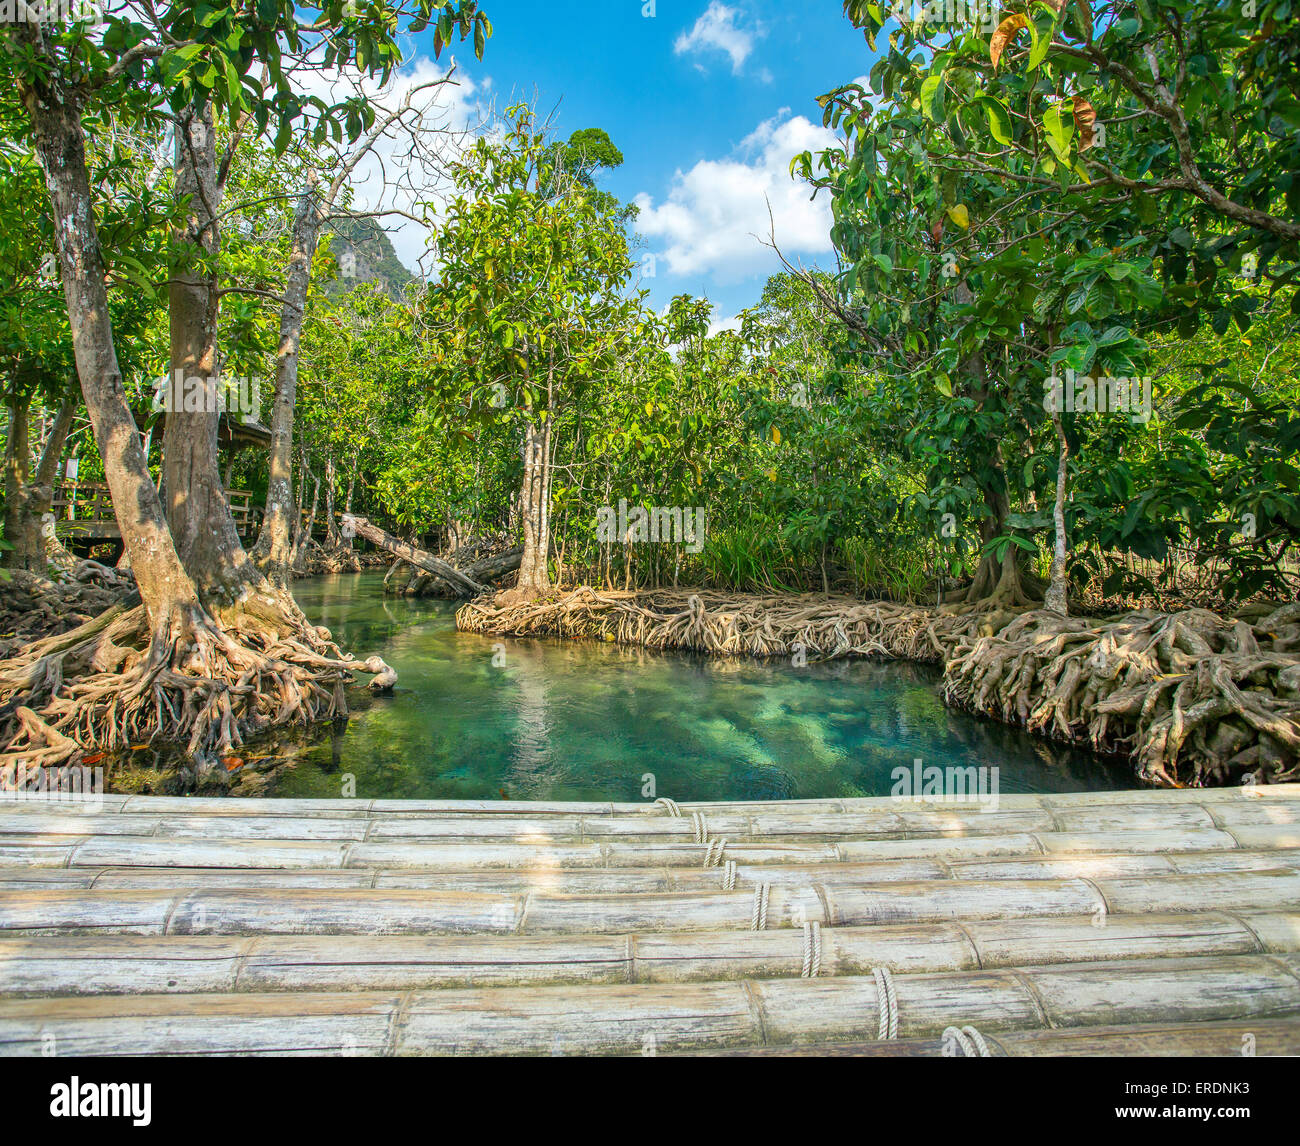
583 720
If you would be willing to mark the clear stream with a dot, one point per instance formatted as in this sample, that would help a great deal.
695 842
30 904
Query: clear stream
584 720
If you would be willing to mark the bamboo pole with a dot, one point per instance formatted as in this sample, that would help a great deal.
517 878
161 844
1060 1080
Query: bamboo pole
1269 1038
37 850
650 1018
1209 798
366 911
132 964
579 881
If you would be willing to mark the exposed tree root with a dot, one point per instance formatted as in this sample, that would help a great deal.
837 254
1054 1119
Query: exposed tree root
1192 697
320 559
207 682
34 607
816 626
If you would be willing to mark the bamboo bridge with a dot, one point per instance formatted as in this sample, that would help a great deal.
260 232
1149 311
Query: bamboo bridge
1115 923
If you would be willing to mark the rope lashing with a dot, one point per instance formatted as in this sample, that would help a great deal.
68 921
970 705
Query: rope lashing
888 1002
673 810
713 853
701 828
759 920
729 876
812 950
970 1041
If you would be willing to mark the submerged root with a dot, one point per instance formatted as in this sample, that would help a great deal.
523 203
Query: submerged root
1191 697
206 681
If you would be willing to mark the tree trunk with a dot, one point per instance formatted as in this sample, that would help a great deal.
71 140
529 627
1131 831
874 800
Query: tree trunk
17 462
331 527
28 498
534 579
275 544
1057 598
999 581
352 485
535 497
304 537
60 149
198 509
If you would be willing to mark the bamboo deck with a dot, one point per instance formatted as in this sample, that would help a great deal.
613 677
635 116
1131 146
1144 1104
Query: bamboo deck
1117 923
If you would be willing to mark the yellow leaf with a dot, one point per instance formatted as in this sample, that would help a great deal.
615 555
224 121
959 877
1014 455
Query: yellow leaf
649 409
776 435
1005 34
959 215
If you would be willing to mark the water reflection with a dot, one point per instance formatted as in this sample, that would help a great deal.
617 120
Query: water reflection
585 720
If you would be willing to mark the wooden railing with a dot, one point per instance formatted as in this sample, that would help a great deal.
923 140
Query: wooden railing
84 510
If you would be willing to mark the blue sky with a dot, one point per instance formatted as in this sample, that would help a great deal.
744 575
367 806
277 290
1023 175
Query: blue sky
708 100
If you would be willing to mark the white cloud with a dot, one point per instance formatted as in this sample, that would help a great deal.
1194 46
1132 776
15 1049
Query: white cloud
715 218
717 324
718 29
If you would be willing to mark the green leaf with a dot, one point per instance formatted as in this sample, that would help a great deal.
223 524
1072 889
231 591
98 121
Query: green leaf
999 119
1038 53
1059 131
929 89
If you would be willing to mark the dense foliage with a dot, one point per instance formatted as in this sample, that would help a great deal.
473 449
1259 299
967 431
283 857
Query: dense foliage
1085 191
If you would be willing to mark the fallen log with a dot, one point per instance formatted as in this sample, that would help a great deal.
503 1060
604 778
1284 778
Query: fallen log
493 568
420 558
421 583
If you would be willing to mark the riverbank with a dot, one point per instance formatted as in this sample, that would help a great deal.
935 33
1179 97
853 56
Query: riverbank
1191 698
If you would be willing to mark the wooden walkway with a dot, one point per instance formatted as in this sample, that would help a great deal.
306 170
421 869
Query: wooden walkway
84 512
1131 923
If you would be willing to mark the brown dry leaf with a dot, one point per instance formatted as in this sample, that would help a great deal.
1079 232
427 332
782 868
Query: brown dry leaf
1084 119
1004 35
